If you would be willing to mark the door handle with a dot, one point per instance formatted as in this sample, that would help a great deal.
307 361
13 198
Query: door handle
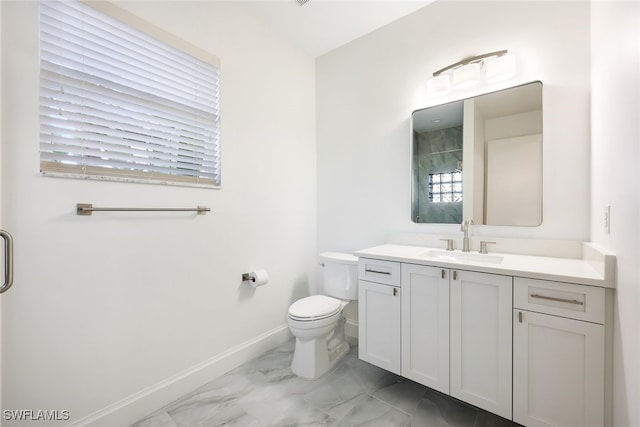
568 301
377 272
8 261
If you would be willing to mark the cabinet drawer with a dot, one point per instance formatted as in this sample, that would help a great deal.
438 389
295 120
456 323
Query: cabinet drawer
561 299
375 270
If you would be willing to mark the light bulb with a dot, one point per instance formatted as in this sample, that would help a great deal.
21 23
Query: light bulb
438 85
466 76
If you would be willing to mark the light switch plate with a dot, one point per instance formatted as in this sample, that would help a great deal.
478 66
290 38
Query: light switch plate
607 219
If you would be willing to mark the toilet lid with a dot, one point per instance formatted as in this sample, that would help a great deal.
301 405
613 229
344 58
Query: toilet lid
314 306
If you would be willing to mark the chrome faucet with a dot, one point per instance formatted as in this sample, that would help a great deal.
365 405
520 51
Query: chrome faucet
465 239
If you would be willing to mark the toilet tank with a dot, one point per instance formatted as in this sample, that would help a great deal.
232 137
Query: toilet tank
339 278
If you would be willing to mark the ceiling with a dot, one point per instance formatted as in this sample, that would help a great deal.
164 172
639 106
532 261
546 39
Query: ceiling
320 26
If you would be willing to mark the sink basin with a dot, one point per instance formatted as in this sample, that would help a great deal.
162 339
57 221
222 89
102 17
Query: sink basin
465 256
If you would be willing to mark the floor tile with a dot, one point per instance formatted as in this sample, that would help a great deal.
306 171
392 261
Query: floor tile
404 395
340 411
214 397
157 419
487 419
369 411
264 392
452 411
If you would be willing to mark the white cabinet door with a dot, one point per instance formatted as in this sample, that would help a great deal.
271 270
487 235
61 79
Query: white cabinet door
558 371
379 325
481 340
425 320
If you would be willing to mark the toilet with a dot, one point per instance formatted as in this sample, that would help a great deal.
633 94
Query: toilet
317 321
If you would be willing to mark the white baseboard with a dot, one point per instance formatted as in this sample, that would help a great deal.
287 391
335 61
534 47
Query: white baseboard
146 401
351 328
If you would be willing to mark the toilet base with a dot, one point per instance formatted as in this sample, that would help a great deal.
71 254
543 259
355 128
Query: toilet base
313 358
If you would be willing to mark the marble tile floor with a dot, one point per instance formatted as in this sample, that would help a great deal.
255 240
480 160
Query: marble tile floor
264 392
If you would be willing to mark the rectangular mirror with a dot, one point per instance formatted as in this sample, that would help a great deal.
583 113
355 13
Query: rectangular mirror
479 158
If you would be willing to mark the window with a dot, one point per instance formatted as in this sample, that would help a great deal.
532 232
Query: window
445 187
118 103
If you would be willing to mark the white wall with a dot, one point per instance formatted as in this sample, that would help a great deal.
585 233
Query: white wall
588 57
368 89
615 181
107 305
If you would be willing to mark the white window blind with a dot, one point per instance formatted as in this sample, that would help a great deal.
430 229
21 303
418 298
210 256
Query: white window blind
117 103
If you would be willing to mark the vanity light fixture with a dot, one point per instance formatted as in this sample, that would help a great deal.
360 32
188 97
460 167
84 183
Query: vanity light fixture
497 66
466 75
439 85
501 68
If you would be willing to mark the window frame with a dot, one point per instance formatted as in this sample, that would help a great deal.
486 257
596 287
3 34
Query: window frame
190 175
437 180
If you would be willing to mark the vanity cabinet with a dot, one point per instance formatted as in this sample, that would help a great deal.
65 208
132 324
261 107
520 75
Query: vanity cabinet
528 338
453 329
379 313
558 354
425 325
481 340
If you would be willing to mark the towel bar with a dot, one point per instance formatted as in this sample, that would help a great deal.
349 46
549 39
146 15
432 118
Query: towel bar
88 209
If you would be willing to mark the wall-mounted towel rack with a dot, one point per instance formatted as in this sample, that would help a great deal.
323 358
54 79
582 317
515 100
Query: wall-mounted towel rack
88 209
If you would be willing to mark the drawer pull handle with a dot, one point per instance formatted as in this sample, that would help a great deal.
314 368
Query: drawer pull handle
377 272
568 301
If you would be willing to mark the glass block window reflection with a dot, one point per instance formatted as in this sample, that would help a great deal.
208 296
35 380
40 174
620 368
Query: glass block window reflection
445 187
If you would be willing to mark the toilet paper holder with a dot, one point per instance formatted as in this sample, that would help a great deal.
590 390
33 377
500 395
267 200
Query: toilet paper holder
256 278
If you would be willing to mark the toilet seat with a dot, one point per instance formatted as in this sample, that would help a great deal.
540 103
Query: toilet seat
316 307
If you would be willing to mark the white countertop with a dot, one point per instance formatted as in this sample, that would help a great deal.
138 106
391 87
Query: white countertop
595 269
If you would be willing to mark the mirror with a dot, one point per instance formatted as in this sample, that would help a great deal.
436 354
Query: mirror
479 158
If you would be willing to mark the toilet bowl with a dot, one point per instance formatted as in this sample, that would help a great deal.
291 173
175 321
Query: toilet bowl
317 321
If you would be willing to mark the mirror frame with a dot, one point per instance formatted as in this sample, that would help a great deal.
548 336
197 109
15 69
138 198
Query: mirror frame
539 212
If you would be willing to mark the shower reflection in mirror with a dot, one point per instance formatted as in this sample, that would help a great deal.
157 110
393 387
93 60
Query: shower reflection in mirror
479 158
